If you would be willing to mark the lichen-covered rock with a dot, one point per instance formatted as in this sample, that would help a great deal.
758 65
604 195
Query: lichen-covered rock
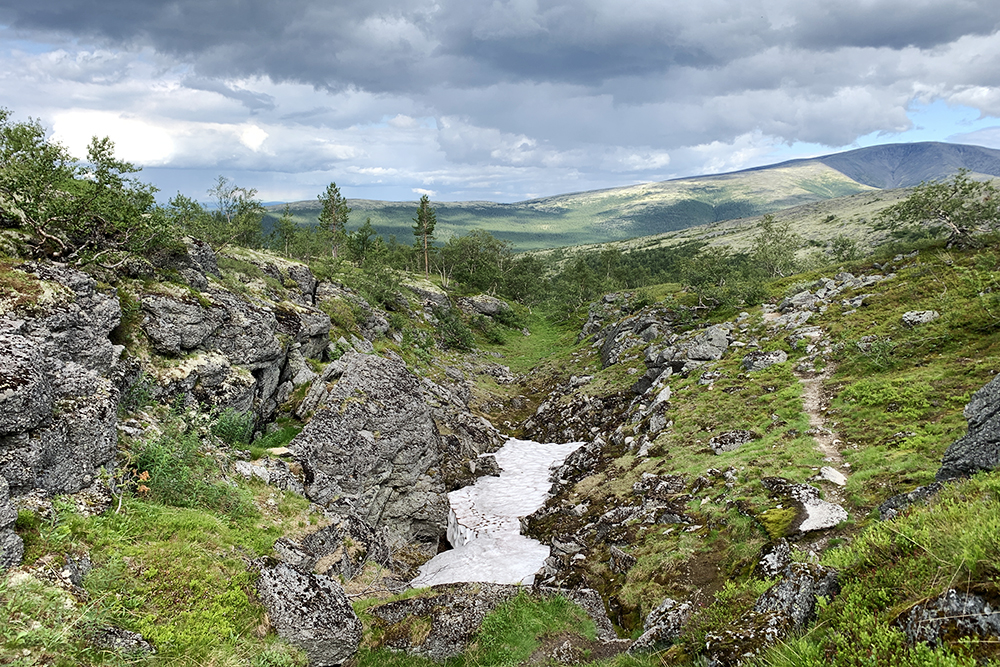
731 440
482 304
63 453
442 623
979 449
891 508
812 513
11 545
210 378
952 616
312 612
239 355
25 388
340 549
774 558
374 451
219 321
710 344
915 318
74 324
122 641
663 626
758 361
430 295
786 607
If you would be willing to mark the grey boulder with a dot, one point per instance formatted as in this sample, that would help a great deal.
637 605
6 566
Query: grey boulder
373 450
979 449
312 612
758 361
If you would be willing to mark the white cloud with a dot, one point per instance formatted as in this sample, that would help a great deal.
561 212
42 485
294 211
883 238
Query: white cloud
253 137
136 140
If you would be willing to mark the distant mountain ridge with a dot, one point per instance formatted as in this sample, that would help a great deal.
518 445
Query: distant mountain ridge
645 209
906 165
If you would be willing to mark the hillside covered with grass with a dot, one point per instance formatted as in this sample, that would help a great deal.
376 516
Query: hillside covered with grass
669 207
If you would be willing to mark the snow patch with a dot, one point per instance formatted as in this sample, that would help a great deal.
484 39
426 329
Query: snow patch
484 522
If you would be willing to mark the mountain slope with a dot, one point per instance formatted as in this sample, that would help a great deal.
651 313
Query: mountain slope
600 216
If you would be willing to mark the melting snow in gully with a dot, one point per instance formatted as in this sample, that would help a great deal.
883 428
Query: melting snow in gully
484 523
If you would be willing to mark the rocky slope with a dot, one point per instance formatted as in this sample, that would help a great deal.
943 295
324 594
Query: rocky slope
724 459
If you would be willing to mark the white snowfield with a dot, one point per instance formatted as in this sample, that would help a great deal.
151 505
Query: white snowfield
484 523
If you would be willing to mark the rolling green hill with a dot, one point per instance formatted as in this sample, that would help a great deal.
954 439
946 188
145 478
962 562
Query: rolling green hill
647 209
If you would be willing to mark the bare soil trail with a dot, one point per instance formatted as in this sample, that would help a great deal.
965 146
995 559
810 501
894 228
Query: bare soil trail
827 443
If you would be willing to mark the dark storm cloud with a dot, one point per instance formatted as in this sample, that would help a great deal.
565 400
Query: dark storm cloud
895 24
390 45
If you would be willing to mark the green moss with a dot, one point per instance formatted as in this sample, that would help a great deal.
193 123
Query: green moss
777 521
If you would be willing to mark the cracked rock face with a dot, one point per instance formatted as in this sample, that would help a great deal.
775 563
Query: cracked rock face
25 390
374 450
312 612
58 405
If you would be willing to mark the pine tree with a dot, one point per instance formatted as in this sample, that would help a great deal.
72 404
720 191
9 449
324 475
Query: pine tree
424 229
333 216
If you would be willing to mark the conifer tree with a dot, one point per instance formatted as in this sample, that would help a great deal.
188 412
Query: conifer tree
333 216
423 229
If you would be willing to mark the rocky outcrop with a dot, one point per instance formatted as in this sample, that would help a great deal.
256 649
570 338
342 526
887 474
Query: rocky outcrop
374 451
234 351
195 263
482 304
464 435
429 294
784 608
312 612
58 391
577 417
979 449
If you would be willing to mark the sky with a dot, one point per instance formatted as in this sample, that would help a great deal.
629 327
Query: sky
499 100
